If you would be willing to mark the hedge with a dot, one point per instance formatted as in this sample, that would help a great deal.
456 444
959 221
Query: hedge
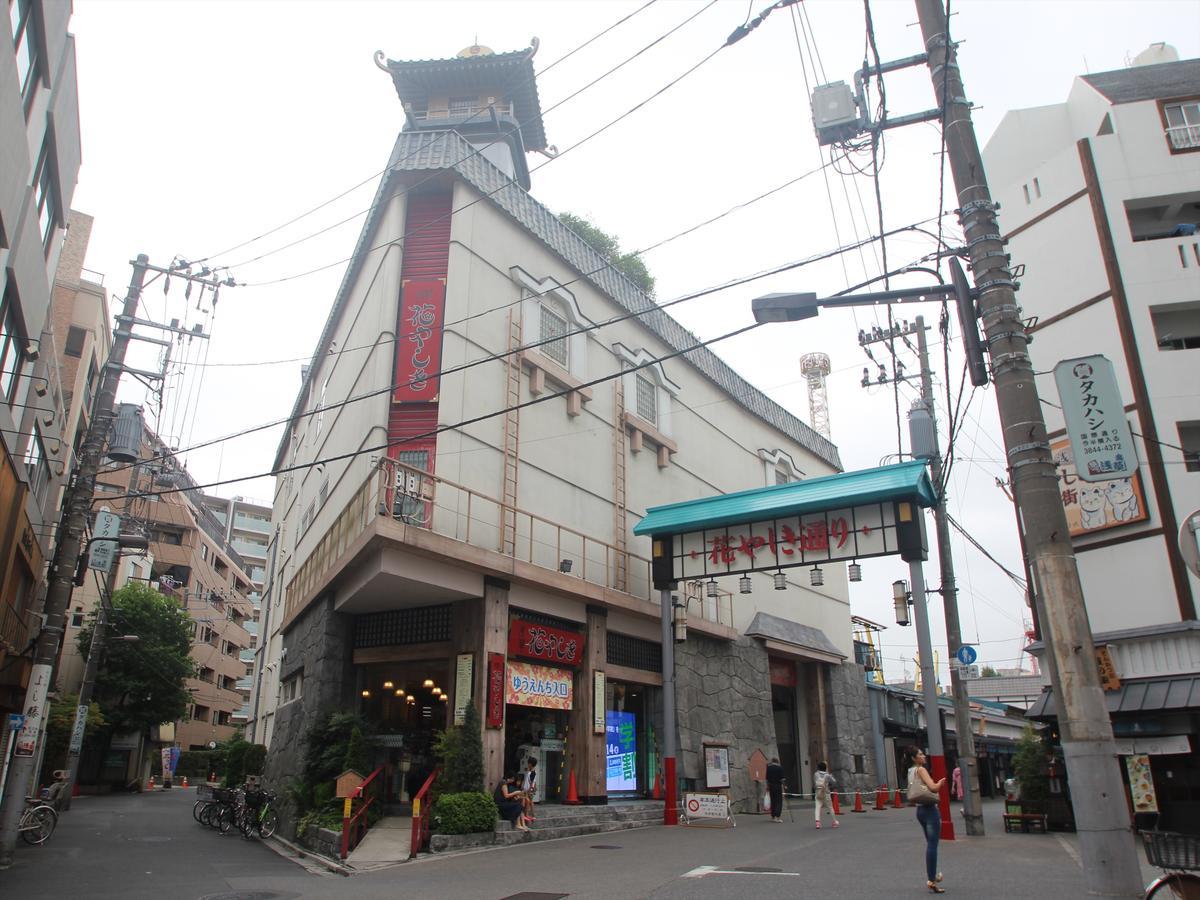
464 813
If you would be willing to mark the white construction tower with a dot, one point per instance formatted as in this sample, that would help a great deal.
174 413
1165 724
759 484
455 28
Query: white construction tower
814 367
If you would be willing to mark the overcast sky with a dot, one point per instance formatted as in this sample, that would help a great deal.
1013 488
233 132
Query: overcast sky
207 124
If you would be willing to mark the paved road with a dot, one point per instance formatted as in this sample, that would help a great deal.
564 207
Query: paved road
148 846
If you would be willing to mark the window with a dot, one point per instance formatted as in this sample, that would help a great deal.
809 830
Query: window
36 468
1189 440
408 505
553 327
782 476
1183 124
75 339
307 519
1177 326
200 713
24 32
77 617
91 381
292 689
462 106
11 355
647 399
45 198
204 552
321 409
322 495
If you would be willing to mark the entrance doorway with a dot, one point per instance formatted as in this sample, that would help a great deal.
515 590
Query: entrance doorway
541 734
627 739
783 705
406 706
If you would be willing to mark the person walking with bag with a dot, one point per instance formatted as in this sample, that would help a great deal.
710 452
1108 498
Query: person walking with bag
923 793
823 783
775 789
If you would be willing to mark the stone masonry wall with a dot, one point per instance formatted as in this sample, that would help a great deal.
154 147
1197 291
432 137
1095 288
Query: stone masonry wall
319 643
723 694
849 714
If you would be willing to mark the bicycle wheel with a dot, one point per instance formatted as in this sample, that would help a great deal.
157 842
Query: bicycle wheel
247 823
268 823
1175 886
227 819
198 809
206 814
37 824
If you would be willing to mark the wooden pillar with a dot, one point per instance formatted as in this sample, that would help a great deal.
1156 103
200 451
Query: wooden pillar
488 630
585 750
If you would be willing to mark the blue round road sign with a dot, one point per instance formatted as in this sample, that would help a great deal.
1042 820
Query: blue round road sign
967 655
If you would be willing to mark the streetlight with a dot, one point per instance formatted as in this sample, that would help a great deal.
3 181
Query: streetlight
900 595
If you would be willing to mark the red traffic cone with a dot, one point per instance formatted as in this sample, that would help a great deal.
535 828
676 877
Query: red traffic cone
657 795
898 803
858 804
150 784
74 788
881 798
185 784
837 806
572 791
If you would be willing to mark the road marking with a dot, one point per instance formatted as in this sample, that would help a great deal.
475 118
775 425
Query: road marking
703 871
1071 851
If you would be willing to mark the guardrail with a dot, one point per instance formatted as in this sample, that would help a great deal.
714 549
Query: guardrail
420 816
417 498
354 823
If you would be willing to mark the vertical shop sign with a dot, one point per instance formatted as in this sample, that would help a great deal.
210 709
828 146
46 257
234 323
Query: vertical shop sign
598 703
464 679
621 751
419 347
495 691
1141 784
35 711
1095 417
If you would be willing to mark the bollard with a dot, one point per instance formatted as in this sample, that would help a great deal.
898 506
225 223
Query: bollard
837 807
899 801
858 804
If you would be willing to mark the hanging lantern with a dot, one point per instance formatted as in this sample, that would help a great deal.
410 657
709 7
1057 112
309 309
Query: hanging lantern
366 693
816 577
780 581
388 685
427 683
711 588
745 585
854 570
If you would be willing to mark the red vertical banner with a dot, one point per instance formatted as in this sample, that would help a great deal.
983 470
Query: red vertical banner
495 690
419 343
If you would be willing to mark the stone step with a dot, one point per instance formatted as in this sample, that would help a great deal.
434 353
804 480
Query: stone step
511 837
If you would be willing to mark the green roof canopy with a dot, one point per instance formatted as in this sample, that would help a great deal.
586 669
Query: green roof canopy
904 481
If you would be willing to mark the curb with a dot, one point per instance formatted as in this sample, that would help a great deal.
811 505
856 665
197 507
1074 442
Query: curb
296 853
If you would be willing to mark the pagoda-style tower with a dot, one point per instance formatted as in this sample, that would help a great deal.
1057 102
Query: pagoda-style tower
489 98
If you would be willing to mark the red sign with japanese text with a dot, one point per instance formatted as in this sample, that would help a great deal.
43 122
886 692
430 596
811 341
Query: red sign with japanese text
495 690
552 645
783 671
419 344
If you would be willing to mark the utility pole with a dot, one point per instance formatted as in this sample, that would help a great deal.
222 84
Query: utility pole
76 504
964 738
1110 864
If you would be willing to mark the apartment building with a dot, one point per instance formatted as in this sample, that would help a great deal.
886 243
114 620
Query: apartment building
1101 208
40 149
465 532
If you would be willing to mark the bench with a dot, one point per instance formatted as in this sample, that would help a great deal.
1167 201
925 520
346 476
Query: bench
1025 822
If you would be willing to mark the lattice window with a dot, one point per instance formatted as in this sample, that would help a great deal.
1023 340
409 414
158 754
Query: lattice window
545 620
422 625
554 326
647 399
634 653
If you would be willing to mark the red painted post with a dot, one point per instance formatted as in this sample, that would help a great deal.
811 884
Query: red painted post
345 851
670 811
938 773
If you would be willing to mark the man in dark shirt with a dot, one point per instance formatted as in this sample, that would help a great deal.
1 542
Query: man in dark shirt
775 788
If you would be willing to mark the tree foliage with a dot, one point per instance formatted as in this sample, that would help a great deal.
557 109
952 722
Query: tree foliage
988 672
608 246
141 684
60 725
1031 765
460 749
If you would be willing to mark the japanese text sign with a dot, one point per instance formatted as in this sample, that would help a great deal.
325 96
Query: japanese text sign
857 532
1095 418
552 645
495 690
419 345
102 554
527 684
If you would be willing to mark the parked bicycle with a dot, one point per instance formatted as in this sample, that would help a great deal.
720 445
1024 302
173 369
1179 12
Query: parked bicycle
1178 855
258 814
37 822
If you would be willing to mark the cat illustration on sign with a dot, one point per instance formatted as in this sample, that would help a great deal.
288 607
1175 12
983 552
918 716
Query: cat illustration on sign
1120 496
1091 506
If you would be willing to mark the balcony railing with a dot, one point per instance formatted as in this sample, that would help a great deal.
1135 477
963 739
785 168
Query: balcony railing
1184 137
14 629
416 498
246 656
479 113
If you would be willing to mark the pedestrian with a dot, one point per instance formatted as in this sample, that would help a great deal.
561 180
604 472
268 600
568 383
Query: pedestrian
823 784
529 786
510 802
923 791
775 788
956 780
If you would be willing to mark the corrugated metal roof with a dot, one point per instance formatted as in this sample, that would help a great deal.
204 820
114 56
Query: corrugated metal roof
1146 695
1157 82
903 481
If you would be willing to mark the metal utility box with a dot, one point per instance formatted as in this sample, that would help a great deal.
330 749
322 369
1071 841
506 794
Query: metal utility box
835 113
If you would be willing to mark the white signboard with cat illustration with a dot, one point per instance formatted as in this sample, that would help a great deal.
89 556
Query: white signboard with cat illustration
1092 507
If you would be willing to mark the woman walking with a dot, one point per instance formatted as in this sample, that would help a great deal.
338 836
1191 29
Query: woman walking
923 791
823 784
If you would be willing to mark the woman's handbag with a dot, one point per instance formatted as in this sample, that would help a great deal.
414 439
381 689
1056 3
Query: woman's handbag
919 793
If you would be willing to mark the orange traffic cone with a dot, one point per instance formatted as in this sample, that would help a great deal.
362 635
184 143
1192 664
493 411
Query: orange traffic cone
185 784
150 784
858 804
572 791
898 803
837 807
881 798
657 795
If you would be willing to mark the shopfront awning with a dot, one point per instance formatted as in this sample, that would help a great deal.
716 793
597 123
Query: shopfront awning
793 639
1178 694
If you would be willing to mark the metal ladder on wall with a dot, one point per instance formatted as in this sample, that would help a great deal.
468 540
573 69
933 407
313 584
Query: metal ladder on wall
512 443
621 563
